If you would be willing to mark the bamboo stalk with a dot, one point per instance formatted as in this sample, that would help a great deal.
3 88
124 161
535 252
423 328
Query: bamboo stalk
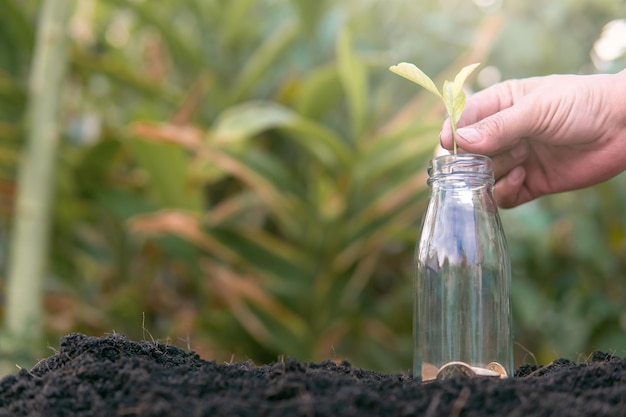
30 235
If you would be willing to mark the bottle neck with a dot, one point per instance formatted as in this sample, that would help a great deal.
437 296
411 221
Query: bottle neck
461 171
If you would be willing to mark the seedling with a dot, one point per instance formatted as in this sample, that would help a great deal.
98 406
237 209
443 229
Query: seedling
452 93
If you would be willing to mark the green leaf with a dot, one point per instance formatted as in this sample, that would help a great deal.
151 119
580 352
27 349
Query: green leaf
181 49
95 164
122 204
354 80
263 60
383 160
386 207
279 202
319 92
412 73
12 98
320 142
289 332
273 169
16 38
119 72
233 15
8 156
243 122
167 166
310 13
261 251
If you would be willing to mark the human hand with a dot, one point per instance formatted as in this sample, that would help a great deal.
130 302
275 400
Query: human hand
546 134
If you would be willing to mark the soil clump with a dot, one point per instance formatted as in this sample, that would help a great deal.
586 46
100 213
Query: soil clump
114 376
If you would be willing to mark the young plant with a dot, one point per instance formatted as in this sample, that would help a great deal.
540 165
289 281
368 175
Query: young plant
452 93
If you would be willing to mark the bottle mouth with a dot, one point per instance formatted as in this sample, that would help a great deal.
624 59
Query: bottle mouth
462 167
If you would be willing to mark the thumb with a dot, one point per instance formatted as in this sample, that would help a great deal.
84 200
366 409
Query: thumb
499 132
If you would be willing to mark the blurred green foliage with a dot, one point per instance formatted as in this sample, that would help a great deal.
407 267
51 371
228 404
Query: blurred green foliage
247 177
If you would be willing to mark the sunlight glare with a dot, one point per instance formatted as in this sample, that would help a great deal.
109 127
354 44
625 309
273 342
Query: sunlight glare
611 45
488 76
488 5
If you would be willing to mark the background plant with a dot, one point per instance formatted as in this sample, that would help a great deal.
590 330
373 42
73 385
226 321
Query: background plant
252 186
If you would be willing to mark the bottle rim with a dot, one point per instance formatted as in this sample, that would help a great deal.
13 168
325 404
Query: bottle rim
461 166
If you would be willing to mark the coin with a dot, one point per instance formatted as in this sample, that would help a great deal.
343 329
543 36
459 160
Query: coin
454 370
496 367
429 372
485 372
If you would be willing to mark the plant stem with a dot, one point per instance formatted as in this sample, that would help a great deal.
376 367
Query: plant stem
29 240
453 137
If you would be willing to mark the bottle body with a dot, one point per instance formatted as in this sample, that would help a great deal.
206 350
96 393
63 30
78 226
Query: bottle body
462 279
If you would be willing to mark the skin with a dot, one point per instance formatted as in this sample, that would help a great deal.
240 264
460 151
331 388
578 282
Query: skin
546 134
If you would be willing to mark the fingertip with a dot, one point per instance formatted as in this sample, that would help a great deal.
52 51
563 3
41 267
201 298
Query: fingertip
444 141
489 136
469 135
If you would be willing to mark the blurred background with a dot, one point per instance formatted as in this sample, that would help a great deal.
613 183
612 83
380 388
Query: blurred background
245 178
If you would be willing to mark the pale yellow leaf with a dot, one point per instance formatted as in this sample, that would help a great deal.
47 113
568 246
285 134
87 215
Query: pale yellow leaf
459 105
460 78
454 96
412 73
450 99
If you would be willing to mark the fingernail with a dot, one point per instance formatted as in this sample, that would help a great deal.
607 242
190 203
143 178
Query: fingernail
469 134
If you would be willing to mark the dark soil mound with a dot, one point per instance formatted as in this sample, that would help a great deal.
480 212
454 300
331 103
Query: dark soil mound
114 376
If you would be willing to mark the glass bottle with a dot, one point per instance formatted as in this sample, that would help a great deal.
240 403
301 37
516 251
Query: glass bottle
462 311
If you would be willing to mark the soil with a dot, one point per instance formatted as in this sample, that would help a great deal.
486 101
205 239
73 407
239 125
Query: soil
114 376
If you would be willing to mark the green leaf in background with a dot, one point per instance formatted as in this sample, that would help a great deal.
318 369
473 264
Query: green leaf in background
384 156
310 12
354 80
180 47
265 253
232 14
319 141
167 167
265 186
15 30
262 61
123 205
318 92
129 78
265 317
242 123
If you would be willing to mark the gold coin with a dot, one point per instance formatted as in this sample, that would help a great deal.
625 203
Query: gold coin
454 370
496 367
429 372
485 373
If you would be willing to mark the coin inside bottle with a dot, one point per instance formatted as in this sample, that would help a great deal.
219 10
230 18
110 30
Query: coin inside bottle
462 370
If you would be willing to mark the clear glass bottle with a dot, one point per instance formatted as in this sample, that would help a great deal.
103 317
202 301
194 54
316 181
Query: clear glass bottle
462 311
